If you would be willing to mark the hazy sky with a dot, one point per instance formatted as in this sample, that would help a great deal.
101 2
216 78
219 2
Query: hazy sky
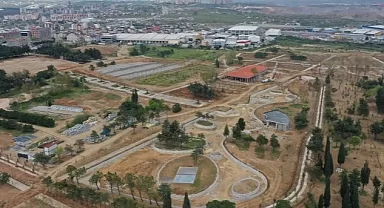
303 2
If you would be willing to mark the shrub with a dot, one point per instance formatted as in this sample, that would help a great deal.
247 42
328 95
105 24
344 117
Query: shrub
176 108
79 119
261 55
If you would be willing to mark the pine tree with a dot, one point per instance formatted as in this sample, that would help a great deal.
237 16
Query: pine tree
320 204
344 186
341 155
376 184
186 202
241 124
226 131
364 174
380 100
327 193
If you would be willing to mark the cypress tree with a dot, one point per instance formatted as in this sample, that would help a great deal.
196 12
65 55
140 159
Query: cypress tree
364 174
354 196
341 155
328 165
344 186
135 96
226 131
376 184
327 193
346 202
320 204
186 203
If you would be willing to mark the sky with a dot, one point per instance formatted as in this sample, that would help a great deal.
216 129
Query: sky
305 2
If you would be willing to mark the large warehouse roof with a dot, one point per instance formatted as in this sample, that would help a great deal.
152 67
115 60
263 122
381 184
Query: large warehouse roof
152 36
244 28
246 72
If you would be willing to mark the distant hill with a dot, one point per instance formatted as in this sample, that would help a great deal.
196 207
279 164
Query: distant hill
308 2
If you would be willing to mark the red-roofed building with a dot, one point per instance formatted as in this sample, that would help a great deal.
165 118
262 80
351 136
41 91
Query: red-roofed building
50 147
250 73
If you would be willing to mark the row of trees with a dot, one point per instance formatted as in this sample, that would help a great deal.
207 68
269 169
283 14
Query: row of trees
29 118
173 135
15 80
13 125
301 119
202 90
57 50
13 51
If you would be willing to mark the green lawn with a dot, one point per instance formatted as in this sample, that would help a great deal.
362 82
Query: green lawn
52 95
186 53
167 79
13 132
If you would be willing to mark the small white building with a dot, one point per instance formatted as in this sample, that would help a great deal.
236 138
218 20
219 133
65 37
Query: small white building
273 33
73 38
50 148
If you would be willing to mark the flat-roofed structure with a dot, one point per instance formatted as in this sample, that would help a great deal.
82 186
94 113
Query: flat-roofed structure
277 119
154 38
250 73
243 30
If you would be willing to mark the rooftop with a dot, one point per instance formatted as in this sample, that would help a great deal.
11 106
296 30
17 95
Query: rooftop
152 36
277 117
244 28
246 72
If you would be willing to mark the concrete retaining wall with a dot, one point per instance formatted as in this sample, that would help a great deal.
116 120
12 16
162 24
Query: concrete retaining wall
213 127
246 196
175 152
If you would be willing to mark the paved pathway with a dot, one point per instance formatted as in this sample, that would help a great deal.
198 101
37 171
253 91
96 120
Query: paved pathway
17 184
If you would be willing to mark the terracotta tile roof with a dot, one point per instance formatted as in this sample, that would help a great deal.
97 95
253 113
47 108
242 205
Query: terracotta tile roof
246 71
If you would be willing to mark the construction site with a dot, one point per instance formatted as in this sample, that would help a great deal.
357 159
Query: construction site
245 172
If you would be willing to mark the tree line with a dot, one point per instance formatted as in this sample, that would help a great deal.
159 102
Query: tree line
13 125
13 51
29 118
57 50
202 90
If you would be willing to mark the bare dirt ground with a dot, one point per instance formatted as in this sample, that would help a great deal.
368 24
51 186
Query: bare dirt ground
4 103
35 203
6 140
245 186
7 191
34 64
105 50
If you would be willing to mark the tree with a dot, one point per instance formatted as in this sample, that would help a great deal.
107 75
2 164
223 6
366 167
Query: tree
301 119
320 203
118 181
140 185
283 204
355 141
91 67
69 148
380 100
261 55
79 172
328 79
236 132
135 96
42 158
261 140
274 142
96 178
376 184
316 142
196 154
59 153
149 183
186 202
241 124
376 129
176 108
165 194
4 177
363 109
341 155
100 64
364 174
220 204
355 202
327 193
344 186
70 170
346 202
123 202
112 63
226 131
109 177
94 136
80 145
217 63
130 180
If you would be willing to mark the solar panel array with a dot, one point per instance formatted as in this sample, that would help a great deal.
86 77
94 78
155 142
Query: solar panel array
137 69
